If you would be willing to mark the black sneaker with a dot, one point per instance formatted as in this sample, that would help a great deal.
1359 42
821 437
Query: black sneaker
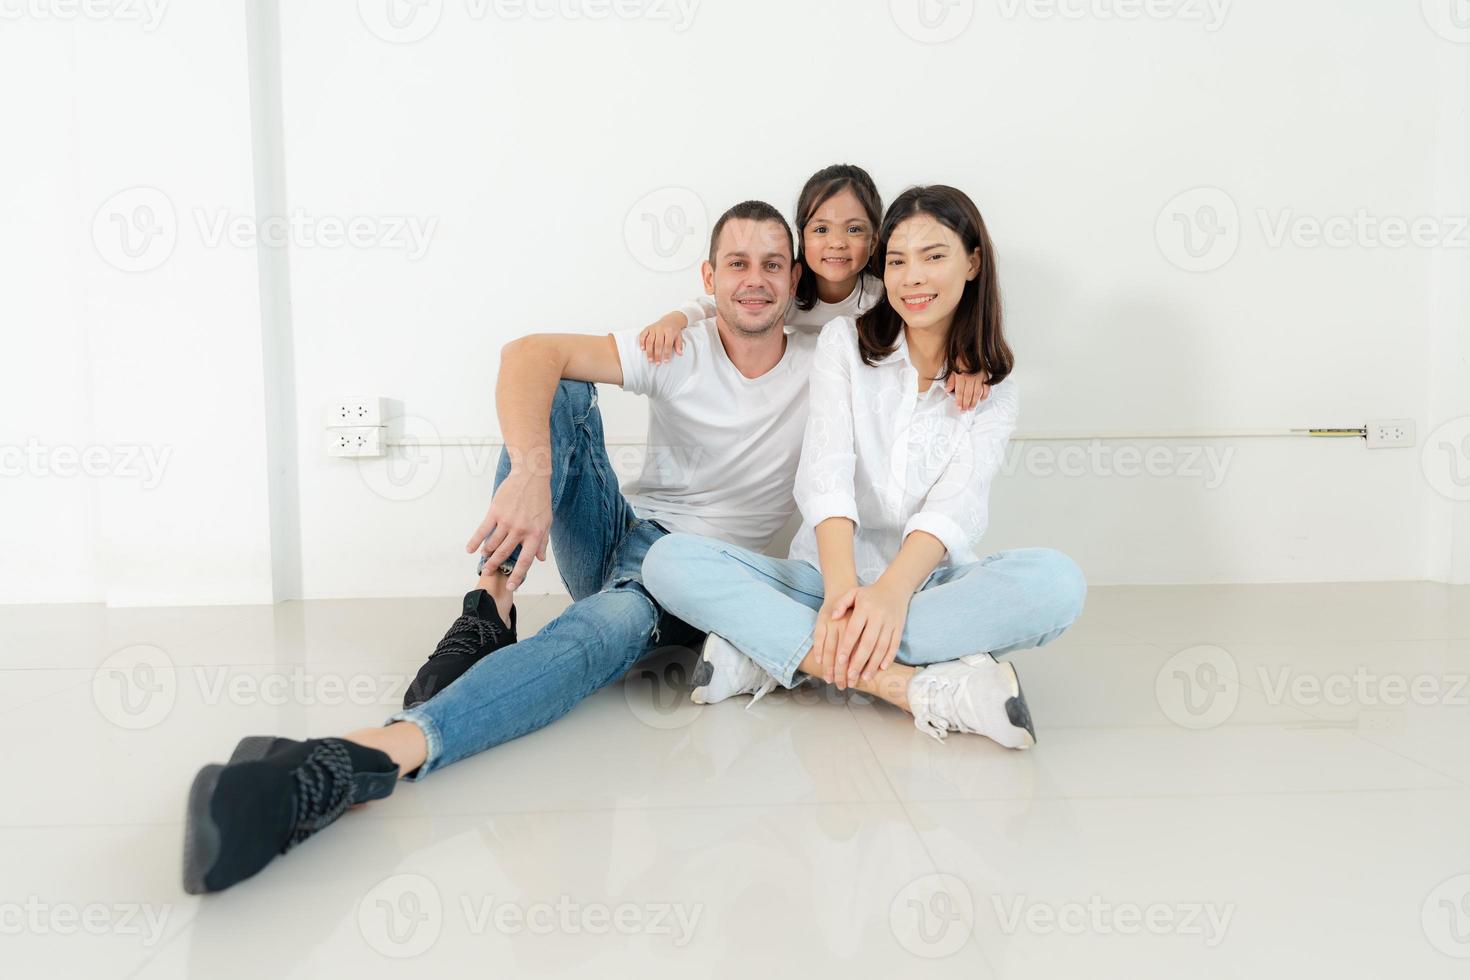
476 634
272 795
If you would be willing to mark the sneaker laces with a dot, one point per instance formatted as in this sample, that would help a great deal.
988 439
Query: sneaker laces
468 635
767 685
323 790
936 706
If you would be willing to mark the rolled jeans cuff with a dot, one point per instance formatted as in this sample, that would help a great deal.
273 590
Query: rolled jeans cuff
431 736
786 672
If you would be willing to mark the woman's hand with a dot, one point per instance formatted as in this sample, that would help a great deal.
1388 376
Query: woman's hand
969 390
874 629
827 635
663 338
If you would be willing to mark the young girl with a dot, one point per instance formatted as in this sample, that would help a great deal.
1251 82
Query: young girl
884 590
837 216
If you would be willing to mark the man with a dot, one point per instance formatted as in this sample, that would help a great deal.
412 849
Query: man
724 438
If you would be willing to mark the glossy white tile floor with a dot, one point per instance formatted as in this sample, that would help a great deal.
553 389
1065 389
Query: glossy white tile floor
1237 781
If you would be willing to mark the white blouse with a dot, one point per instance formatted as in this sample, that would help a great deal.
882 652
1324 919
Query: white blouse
894 461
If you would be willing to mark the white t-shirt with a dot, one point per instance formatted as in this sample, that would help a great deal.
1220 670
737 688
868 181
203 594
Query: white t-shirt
894 461
864 297
722 448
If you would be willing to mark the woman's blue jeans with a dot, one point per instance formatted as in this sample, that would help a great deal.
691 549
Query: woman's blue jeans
767 607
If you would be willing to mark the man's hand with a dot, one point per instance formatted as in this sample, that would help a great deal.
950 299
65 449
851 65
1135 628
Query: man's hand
876 614
520 514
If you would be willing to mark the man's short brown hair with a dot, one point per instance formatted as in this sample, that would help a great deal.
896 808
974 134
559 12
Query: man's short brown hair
752 211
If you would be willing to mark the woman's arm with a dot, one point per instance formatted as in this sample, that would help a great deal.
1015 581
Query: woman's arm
839 576
956 510
664 337
919 555
825 492
834 548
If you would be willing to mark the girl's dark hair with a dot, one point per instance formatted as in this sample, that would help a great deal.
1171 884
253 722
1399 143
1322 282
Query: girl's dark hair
818 189
976 339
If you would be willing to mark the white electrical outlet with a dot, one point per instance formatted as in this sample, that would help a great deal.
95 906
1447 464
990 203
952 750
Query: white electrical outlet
1390 433
355 410
363 440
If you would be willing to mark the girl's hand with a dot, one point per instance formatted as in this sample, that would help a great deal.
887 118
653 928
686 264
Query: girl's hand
663 339
874 630
969 390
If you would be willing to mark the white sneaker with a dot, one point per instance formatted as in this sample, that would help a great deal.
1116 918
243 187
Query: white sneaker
723 672
976 695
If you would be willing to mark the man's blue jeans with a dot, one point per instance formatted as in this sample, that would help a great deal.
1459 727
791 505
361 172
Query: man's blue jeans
767 607
611 624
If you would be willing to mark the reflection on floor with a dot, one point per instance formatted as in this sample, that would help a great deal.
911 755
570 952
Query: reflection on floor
1262 781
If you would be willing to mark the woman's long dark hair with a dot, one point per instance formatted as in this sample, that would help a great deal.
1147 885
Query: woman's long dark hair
817 190
976 339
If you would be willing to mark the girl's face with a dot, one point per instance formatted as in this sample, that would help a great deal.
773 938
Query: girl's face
925 270
838 238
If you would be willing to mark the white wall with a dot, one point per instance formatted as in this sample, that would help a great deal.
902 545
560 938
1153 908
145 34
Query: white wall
529 141
1447 445
49 526
522 144
151 361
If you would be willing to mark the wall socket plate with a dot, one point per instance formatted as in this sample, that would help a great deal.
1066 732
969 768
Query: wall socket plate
1390 433
354 410
355 441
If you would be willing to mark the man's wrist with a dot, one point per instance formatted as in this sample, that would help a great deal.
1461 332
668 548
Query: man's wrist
530 462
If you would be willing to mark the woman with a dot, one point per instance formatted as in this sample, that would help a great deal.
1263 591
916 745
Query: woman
883 590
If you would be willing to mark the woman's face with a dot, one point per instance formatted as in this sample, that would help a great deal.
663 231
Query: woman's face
838 238
925 270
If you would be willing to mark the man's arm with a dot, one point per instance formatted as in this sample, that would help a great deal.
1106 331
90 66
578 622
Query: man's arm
530 370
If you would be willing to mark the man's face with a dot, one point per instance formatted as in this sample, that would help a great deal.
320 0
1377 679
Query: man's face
752 277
